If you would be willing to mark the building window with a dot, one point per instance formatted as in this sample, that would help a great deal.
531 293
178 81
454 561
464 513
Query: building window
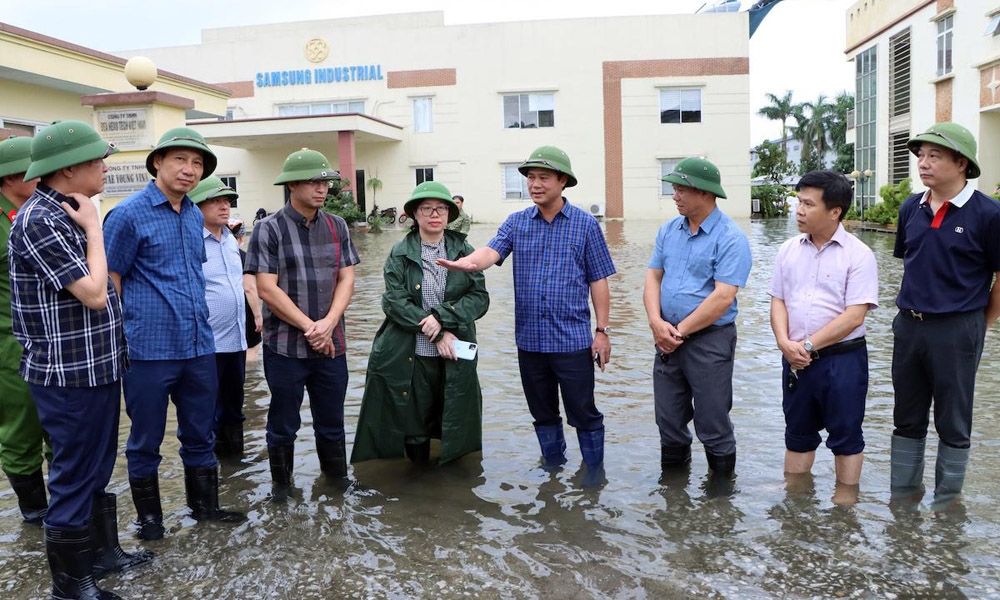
515 185
865 110
230 180
680 105
899 160
945 34
666 166
899 74
424 174
993 27
21 127
423 115
523 111
321 108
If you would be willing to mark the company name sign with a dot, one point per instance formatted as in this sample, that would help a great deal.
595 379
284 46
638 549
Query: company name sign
319 75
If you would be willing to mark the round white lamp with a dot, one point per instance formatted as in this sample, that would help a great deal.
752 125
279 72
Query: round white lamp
140 72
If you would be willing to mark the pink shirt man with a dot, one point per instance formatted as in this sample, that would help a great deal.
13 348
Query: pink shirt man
816 285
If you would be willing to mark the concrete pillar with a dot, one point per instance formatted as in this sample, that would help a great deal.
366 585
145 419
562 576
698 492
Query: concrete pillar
346 155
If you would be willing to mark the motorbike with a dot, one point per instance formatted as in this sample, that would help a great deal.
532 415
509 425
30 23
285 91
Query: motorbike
386 217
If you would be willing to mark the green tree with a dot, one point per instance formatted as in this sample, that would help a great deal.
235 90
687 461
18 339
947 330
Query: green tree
771 163
340 201
814 121
842 104
780 109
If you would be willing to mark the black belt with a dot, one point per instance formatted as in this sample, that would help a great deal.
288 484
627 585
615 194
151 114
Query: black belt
925 316
708 329
838 348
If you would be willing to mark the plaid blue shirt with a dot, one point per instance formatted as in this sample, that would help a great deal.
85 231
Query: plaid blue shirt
306 256
65 343
159 252
691 264
554 265
224 291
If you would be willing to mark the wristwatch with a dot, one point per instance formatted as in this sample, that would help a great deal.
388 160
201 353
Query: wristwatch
808 345
605 330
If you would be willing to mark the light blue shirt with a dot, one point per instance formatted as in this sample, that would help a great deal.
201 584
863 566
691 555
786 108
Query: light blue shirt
224 291
691 264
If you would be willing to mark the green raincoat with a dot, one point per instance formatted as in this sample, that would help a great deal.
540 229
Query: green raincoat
388 385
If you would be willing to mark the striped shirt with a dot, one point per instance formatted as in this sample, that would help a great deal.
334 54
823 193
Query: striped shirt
306 257
159 252
431 288
65 343
554 265
224 291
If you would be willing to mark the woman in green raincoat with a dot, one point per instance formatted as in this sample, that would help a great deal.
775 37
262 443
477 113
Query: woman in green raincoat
417 388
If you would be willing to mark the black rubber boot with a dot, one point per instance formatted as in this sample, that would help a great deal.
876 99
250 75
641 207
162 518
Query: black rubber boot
229 441
108 554
30 491
71 559
149 513
419 452
723 466
202 487
282 460
332 457
675 458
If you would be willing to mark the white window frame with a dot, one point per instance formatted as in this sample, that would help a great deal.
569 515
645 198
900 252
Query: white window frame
418 171
513 184
681 96
5 122
530 106
667 165
945 39
423 114
231 181
332 107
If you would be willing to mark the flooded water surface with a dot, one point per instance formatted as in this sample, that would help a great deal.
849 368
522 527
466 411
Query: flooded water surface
496 525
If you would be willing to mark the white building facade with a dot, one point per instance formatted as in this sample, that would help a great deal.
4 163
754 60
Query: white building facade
919 62
406 98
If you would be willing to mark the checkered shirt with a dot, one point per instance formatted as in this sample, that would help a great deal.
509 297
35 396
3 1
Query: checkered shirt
431 288
65 343
554 265
306 257
159 252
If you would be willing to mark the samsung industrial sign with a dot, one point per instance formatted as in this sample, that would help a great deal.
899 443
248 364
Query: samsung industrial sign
319 75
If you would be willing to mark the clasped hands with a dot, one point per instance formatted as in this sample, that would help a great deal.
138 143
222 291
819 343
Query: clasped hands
430 327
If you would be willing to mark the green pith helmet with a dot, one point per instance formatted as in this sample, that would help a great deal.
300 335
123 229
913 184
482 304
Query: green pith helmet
430 189
954 137
184 137
699 174
15 155
64 144
211 187
552 158
306 165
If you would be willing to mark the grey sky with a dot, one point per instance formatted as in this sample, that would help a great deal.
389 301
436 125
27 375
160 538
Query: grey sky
799 46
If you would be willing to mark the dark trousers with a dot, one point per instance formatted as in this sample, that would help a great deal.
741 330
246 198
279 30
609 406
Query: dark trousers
695 382
326 381
231 368
149 387
21 434
83 429
936 360
545 374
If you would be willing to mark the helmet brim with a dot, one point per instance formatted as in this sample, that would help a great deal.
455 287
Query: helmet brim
88 152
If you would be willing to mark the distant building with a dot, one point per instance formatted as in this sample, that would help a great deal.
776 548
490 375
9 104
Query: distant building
919 62
794 149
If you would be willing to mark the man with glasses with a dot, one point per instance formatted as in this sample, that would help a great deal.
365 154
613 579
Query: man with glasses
700 261
560 261
304 261
155 255
949 240
68 317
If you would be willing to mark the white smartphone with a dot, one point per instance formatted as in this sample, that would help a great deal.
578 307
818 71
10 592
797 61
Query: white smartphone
465 350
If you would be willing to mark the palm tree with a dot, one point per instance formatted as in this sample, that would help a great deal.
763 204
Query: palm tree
814 121
781 109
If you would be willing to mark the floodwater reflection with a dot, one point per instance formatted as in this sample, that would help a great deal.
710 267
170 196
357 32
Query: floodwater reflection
496 525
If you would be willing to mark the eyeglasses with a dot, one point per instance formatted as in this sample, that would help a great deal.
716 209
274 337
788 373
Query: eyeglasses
324 183
432 210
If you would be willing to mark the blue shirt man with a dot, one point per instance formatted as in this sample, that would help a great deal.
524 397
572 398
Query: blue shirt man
700 262
155 255
559 256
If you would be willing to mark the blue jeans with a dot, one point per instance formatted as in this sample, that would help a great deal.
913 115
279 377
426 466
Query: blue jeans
83 428
545 374
192 385
324 378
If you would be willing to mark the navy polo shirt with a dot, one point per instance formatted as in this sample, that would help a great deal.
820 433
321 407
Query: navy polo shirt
948 267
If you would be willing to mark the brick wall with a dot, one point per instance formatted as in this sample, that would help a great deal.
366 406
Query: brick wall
238 89
942 100
421 78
